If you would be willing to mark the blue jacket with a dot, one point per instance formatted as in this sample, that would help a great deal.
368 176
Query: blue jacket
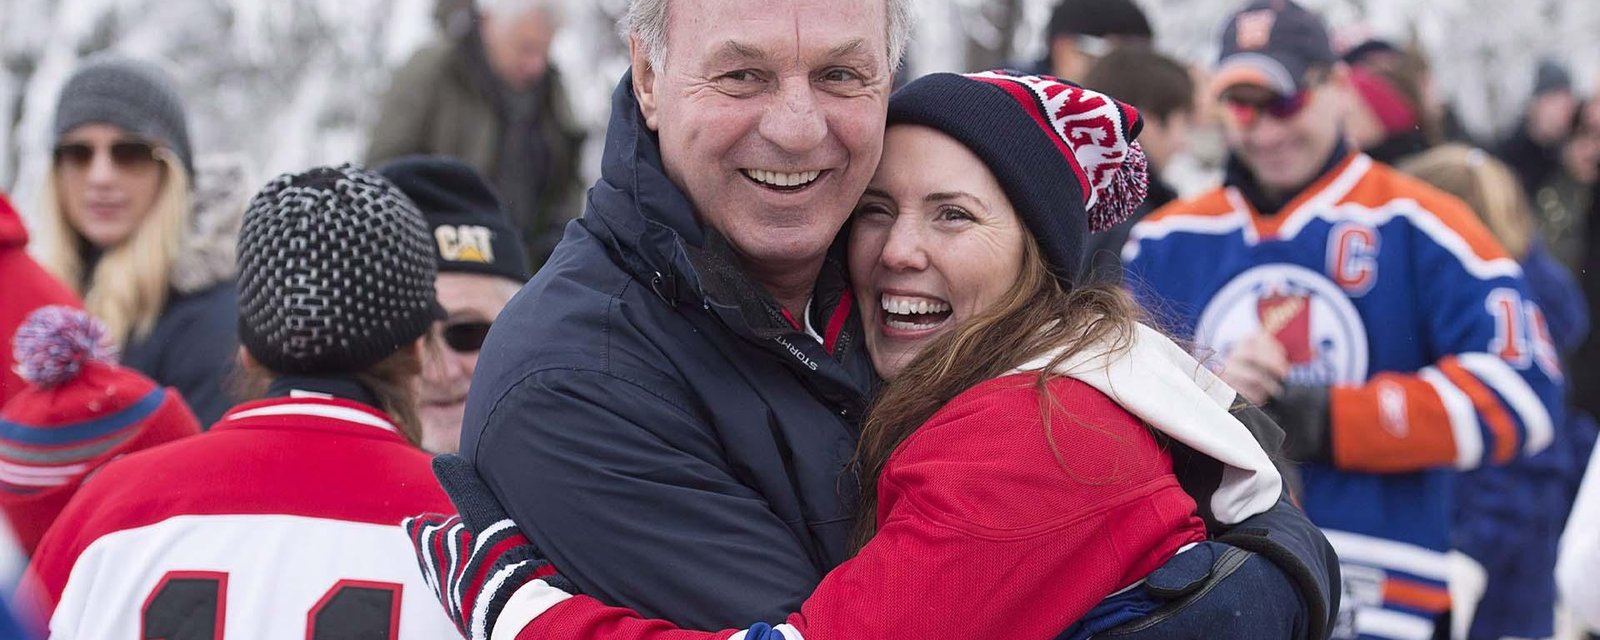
649 417
1509 519
652 420
191 348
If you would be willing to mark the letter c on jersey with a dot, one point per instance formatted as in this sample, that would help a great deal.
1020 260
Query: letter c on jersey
1353 257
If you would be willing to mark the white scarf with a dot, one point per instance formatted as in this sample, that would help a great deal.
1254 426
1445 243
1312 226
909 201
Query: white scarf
1161 384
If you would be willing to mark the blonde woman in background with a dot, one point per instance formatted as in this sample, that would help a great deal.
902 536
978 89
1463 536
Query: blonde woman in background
1509 519
123 224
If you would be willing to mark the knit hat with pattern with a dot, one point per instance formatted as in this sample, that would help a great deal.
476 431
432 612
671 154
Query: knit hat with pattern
1065 155
335 272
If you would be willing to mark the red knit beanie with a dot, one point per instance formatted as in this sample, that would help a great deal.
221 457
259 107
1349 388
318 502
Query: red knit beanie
1394 112
79 411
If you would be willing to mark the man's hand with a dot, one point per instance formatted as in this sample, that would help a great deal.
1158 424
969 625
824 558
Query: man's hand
475 561
1256 368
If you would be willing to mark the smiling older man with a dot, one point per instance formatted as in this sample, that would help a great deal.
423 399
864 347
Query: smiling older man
671 405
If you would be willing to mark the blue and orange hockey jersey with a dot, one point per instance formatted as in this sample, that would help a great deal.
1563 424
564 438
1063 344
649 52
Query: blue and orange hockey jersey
1392 294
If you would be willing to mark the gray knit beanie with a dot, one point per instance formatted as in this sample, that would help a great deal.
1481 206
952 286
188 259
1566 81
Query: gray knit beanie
335 272
134 95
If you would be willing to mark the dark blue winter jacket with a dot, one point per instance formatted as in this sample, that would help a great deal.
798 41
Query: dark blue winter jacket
191 348
648 416
1509 519
652 420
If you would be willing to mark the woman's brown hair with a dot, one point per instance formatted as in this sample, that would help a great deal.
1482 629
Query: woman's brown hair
1037 316
393 381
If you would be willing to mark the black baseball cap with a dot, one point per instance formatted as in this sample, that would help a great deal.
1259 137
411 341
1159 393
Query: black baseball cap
468 228
1272 44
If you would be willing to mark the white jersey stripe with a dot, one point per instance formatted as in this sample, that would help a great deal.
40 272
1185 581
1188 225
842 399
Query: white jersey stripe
319 410
1209 225
1327 207
1441 234
528 602
1327 198
1498 374
1377 552
1463 419
1395 625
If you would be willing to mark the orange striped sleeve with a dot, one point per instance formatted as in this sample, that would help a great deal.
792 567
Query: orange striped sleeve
1488 407
1416 595
1393 423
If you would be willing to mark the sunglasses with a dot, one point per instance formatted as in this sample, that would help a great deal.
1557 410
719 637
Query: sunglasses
466 337
1246 112
125 154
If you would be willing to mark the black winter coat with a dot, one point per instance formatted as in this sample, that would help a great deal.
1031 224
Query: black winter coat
648 416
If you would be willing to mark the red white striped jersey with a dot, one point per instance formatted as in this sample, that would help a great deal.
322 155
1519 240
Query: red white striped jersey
280 522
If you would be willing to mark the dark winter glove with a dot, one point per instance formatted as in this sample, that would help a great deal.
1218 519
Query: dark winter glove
1302 411
475 561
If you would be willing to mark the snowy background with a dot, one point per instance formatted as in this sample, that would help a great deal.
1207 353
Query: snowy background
291 83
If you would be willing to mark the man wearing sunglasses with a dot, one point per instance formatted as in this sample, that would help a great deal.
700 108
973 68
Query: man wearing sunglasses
481 265
1373 316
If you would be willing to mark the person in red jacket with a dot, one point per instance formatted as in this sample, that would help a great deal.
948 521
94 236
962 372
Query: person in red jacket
279 521
28 287
1019 465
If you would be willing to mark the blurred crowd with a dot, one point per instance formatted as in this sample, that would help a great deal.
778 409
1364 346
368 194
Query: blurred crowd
175 347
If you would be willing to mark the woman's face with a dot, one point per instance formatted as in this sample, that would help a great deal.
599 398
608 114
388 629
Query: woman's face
107 182
934 242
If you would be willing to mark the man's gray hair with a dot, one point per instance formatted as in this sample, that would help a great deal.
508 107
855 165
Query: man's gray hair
509 10
647 21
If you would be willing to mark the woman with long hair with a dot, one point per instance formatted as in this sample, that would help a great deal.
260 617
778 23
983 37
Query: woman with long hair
121 224
279 521
1508 519
1018 468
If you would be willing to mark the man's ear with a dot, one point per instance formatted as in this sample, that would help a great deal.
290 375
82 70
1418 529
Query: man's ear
644 82
1343 87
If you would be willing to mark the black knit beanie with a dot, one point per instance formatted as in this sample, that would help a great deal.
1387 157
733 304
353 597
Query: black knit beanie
1064 155
470 231
131 94
335 272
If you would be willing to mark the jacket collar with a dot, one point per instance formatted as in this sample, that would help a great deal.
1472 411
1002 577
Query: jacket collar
314 386
310 413
650 226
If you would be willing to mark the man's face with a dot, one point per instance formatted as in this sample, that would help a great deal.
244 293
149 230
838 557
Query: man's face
472 302
1163 138
1067 60
518 47
1550 116
1283 140
770 116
